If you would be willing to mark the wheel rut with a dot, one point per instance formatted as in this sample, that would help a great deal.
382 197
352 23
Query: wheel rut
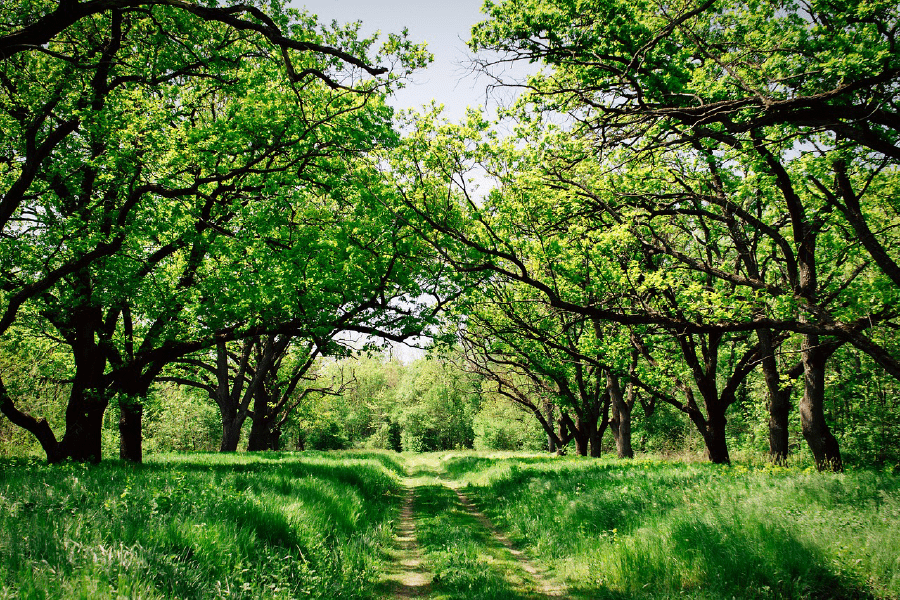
407 575
544 586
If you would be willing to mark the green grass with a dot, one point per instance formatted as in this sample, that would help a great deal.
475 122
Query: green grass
318 525
465 561
653 529
198 526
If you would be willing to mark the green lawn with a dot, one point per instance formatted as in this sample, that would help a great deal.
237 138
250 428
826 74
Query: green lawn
197 526
656 529
318 525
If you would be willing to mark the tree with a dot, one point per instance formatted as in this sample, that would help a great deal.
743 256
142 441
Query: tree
136 132
713 137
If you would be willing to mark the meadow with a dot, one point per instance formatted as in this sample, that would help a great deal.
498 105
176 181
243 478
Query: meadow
321 525
197 526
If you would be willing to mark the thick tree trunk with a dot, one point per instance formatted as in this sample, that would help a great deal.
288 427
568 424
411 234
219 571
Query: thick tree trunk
822 443
261 427
716 443
83 440
779 400
231 433
130 435
581 443
551 438
713 431
596 441
561 449
622 432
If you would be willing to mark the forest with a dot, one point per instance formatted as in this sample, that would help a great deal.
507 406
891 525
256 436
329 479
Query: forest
675 257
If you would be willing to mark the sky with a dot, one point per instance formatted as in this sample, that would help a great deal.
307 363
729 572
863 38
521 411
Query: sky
444 25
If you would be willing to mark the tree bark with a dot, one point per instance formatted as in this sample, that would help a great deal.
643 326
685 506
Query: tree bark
130 434
261 437
231 433
822 443
551 438
83 440
779 399
716 443
621 418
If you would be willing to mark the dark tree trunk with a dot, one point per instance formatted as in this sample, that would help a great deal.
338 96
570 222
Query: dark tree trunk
822 443
261 427
779 399
551 438
561 449
275 438
716 443
83 440
596 441
130 435
621 418
622 432
581 443
231 433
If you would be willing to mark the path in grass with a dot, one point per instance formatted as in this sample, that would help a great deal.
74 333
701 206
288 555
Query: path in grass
406 575
544 586
446 549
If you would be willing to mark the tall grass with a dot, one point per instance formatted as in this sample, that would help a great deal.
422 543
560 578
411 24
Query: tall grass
653 529
197 526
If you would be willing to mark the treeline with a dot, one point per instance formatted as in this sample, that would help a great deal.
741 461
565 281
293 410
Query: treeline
443 403
696 209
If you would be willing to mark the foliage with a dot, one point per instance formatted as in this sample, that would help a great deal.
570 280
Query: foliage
436 405
501 425
177 420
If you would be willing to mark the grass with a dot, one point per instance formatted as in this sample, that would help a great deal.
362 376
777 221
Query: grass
318 525
197 526
655 529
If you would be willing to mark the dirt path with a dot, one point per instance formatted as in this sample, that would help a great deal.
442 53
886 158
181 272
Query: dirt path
540 576
407 576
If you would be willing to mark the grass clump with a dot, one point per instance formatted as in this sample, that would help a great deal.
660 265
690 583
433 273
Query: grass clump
654 529
196 526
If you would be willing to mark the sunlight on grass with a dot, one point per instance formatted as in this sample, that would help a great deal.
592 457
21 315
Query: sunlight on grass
652 528
306 525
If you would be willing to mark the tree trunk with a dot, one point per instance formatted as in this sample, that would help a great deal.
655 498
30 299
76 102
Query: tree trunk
779 400
581 443
83 440
260 430
130 435
621 418
231 433
596 441
716 443
551 439
562 448
822 443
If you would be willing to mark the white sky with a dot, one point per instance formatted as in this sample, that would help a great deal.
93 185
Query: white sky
444 25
